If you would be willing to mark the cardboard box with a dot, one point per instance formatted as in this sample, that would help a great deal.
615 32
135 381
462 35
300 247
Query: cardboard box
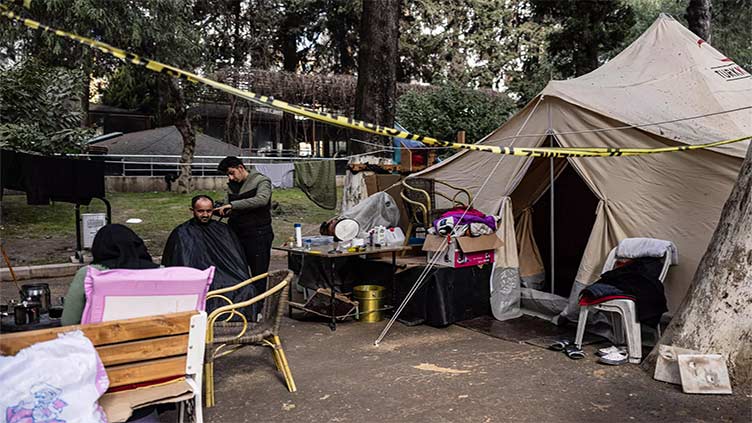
464 251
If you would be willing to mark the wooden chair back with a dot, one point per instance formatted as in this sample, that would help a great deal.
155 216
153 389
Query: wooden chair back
133 351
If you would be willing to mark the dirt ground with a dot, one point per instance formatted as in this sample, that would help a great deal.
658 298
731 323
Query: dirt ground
425 374
452 374
27 251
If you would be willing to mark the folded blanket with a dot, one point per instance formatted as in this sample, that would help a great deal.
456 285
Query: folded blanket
457 216
647 247
478 229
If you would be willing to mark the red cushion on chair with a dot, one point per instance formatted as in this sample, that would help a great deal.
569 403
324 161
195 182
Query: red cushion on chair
585 301
145 384
622 262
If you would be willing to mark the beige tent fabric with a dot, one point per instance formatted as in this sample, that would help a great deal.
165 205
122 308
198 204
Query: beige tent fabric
664 75
506 255
535 182
469 169
677 197
667 73
531 263
505 278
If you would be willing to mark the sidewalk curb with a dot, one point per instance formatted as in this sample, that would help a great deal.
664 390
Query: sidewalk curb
41 271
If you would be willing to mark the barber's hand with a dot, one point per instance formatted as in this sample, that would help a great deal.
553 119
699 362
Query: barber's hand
224 210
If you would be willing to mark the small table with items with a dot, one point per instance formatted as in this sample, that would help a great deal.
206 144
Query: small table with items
331 253
8 324
31 311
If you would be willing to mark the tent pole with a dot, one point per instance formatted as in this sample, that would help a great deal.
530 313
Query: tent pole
551 190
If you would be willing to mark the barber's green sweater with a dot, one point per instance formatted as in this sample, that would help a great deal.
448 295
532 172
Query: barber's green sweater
255 181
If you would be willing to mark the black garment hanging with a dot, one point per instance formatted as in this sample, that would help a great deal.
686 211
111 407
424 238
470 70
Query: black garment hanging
46 179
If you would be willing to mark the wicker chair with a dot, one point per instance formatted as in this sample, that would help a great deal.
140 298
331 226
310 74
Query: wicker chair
419 195
224 337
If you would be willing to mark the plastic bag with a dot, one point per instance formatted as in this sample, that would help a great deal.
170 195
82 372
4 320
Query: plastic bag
378 209
505 293
53 382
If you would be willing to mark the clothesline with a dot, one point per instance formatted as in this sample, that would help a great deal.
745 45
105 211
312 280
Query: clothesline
244 158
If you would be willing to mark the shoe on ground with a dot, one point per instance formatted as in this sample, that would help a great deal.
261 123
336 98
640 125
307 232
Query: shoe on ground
612 349
614 359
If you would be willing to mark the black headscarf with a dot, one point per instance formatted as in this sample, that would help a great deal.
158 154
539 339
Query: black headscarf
118 247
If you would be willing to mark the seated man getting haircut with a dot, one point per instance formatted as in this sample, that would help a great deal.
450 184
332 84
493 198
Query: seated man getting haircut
202 242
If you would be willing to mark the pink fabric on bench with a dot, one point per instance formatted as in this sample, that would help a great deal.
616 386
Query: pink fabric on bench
167 282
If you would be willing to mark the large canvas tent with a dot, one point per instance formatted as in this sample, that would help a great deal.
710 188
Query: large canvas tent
668 88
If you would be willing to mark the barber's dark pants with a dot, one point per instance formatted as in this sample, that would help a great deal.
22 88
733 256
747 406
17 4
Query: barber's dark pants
257 244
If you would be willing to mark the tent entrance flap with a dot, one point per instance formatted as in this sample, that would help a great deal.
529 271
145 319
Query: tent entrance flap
574 216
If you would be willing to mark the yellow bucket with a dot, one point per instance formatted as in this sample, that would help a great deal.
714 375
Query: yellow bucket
370 302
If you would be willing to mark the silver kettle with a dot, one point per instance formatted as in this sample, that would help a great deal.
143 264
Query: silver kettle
37 292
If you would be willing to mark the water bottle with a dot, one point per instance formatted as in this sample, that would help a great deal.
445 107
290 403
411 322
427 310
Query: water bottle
298 235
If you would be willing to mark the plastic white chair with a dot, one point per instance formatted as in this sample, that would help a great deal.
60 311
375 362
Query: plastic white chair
626 309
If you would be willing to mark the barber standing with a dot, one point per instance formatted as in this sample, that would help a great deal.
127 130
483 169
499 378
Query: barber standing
248 205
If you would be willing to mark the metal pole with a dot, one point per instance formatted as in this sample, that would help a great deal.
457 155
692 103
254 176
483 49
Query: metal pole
551 191
553 237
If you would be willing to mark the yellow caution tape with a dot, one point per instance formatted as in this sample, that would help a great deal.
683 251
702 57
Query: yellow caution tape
347 122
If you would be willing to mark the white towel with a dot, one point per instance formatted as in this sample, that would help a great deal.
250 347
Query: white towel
646 247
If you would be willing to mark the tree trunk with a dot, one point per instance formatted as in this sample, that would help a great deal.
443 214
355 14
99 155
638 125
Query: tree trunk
376 92
698 18
288 45
586 54
233 124
183 124
86 68
715 315
247 115
287 131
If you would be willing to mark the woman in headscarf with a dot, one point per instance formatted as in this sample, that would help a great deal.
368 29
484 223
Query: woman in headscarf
114 247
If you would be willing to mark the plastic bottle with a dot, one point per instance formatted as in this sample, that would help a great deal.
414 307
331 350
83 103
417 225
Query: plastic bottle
298 235
395 236
379 236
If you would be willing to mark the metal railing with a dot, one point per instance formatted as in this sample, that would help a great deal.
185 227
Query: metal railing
165 164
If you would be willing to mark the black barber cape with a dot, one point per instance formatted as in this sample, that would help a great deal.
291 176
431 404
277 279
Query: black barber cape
197 245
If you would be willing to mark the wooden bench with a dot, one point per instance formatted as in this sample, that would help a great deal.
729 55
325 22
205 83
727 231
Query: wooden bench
149 360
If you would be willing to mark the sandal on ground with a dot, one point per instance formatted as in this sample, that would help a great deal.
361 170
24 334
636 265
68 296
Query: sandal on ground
574 352
614 358
612 349
560 345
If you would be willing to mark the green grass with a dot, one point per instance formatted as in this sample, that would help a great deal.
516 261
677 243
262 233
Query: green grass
159 211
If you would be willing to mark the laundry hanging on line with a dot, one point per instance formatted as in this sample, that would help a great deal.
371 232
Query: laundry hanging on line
317 179
46 178
281 174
